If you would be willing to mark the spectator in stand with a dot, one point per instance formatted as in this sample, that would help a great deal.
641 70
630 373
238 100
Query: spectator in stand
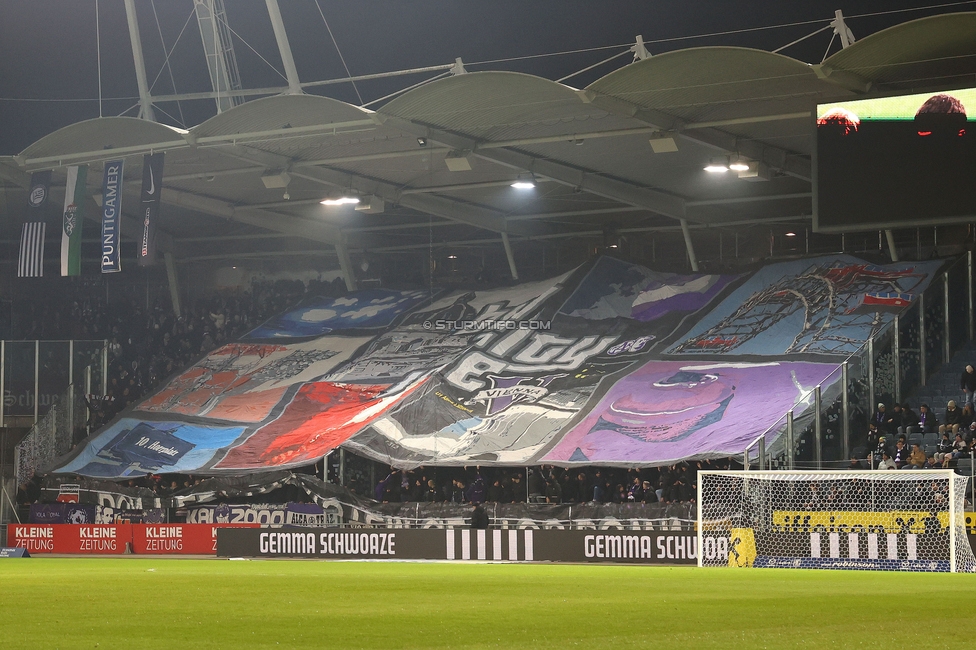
901 454
886 462
916 460
952 419
635 493
959 448
496 494
476 490
966 418
880 419
896 422
908 416
967 384
554 491
430 495
944 449
874 436
927 422
855 463
649 494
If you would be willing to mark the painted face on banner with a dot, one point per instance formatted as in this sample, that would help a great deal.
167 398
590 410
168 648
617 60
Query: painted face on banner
678 404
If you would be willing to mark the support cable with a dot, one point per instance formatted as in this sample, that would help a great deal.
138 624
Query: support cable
341 58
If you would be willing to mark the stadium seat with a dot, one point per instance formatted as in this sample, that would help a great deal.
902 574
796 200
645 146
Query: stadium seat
964 465
930 449
915 439
930 439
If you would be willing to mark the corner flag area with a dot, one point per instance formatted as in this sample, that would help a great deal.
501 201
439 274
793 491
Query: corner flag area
162 603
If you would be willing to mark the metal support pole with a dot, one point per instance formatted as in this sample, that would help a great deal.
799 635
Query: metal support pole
342 467
88 391
71 388
745 459
921 339
174 283
969 296
790 445
104 367
345 263
689 246
37 373
946 324
896 354
845 411
510 255
870 374
145 98
892 251
953 527
287 60
3 382
763 461
817 429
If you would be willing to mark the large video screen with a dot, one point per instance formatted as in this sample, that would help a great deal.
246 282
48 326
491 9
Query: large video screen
895 162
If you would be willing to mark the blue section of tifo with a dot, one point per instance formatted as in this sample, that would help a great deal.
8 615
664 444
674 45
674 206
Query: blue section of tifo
843 563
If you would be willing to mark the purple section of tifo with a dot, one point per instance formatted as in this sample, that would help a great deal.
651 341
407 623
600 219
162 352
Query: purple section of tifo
668 411
692 301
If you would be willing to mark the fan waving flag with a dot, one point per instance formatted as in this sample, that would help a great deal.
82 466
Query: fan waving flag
74 211
31 262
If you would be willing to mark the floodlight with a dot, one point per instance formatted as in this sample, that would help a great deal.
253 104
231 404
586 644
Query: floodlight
525 181
718 165
341 200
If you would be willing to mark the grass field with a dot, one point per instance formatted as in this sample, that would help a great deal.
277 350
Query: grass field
145 604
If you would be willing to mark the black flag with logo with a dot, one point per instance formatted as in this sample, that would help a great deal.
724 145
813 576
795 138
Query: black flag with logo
152 186
30 263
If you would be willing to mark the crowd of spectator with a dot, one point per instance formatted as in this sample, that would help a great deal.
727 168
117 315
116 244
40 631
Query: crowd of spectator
900 438
148 343
676 483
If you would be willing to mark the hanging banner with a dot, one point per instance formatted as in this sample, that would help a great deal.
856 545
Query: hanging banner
75 193
152 186
40 189
111 216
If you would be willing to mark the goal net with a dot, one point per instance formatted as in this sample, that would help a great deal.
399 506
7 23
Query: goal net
907 520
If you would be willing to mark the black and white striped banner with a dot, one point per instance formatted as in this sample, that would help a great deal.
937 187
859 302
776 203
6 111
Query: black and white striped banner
30 264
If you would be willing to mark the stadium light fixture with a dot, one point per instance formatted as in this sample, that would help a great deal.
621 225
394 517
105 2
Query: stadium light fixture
340 200
790 234
525 181
452 257
738 163
718 165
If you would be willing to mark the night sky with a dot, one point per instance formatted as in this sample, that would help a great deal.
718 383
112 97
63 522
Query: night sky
49 71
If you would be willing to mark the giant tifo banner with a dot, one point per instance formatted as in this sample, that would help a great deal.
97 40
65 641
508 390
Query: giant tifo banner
611 363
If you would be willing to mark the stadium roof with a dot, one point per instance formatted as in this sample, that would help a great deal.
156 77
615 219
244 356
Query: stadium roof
588 150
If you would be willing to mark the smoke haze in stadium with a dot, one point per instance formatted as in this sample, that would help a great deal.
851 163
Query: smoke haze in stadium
48 47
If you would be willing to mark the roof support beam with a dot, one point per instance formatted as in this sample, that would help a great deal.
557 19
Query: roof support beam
585 179
788 162
291 72
145 99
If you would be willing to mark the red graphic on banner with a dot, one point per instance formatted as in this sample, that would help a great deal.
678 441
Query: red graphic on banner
112 539
320 417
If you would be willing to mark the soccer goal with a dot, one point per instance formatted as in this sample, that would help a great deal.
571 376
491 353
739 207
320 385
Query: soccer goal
899 520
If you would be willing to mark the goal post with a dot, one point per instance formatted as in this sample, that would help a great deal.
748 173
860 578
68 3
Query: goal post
895 520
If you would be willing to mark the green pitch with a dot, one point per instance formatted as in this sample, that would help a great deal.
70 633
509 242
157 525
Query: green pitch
145 604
